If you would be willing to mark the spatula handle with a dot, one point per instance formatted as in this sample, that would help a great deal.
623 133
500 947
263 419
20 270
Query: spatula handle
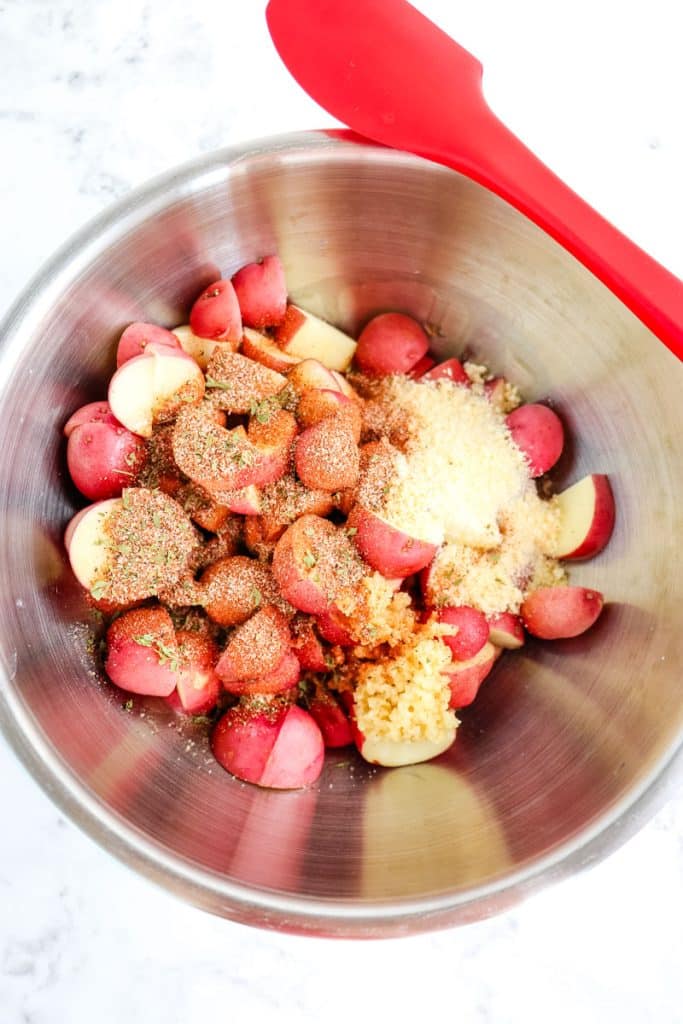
501 162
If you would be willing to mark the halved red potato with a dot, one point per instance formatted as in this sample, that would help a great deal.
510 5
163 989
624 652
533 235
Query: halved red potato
556 613
153 387
386 549
321 403
245 502
103 458
85 541
390 343
307 646
216 313
330 719
198 687
244 737
283 677
326 455
221 460
472 631
256 647
237 383
279 747
127 549
93 412
263 350
200 349
450 369
395 753
307 336
298 754
421 367
506 630
261 292
587 518
333 626
142 653
465 677
312 375
136 337
235 587
309 560
538 433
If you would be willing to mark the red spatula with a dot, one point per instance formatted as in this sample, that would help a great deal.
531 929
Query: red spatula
389 73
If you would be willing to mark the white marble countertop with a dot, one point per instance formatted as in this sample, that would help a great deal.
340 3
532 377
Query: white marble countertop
96 97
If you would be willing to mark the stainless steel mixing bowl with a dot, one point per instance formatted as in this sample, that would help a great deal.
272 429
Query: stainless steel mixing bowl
568 745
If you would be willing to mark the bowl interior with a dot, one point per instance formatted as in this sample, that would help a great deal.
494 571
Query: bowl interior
561 733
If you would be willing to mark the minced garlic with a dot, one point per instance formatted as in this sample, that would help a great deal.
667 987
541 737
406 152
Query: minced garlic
377 612
404 697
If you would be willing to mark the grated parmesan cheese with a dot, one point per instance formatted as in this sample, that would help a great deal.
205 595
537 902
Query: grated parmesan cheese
404 698
498 580
460 469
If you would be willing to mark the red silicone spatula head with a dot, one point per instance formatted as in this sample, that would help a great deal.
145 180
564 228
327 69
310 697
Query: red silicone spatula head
388 72
379 66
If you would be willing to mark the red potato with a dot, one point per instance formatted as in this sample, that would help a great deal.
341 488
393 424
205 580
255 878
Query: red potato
421 367
282 678
142 653
331 720
307 646
85 538
312 375
557 613
451 369
343 385
465 677
390 343
537 431
71 526
326 455
245 502
388 550
256 647
273 442
244 738
103 458
305 562
234 587
152 388
93 412
216 313
472 631
138 336
333 627
261 292
297 756
198 687
307 336
280 748
240 383
320 404
263 350
587 518
506 630
224 461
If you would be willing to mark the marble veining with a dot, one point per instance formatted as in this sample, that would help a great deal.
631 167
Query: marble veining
96 97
